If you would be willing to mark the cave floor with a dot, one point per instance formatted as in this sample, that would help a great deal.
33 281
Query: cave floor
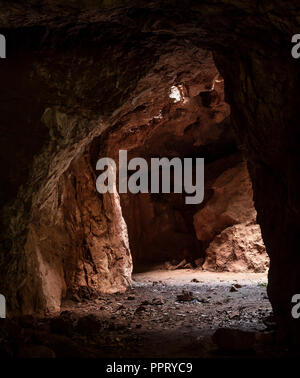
164 314
175 313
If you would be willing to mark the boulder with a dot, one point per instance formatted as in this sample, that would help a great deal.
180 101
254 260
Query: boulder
238 248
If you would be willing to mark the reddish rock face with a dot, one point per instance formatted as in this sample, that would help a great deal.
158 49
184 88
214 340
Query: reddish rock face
79 238
237 248
192 122
230 203
167 120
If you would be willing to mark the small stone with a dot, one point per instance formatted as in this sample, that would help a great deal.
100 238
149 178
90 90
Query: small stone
140 309
185 296
157 301
203 300
121 307
234 315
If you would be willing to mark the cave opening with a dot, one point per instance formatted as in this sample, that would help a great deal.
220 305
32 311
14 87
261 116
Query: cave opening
188 120
145 256
189 262
158 236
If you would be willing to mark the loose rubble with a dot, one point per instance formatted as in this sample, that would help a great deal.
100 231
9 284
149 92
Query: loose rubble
199 317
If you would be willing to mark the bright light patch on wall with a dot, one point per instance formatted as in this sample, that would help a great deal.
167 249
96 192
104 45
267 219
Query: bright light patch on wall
175 94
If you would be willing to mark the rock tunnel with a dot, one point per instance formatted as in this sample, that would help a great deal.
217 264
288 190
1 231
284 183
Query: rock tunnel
84 80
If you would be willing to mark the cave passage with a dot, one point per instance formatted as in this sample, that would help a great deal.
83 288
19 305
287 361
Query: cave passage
218 234
101 239
196 268
92 274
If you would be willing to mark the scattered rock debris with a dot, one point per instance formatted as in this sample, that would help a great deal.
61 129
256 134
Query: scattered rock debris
202 321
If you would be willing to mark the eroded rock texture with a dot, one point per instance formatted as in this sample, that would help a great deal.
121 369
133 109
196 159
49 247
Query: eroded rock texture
237 248
187 120
230 203
231 248
168 120
70 67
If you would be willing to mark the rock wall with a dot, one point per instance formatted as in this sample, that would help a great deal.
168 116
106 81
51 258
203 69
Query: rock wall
232 248
157 124
50 112
237 248
195 123
230 203
79 238
262 90
74 240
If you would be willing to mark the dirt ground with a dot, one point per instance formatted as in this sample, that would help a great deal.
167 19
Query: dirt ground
150 320
164 314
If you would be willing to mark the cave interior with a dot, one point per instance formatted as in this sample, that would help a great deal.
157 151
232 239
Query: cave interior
125 274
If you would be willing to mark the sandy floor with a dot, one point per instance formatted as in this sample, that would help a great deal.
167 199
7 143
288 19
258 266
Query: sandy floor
184 276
